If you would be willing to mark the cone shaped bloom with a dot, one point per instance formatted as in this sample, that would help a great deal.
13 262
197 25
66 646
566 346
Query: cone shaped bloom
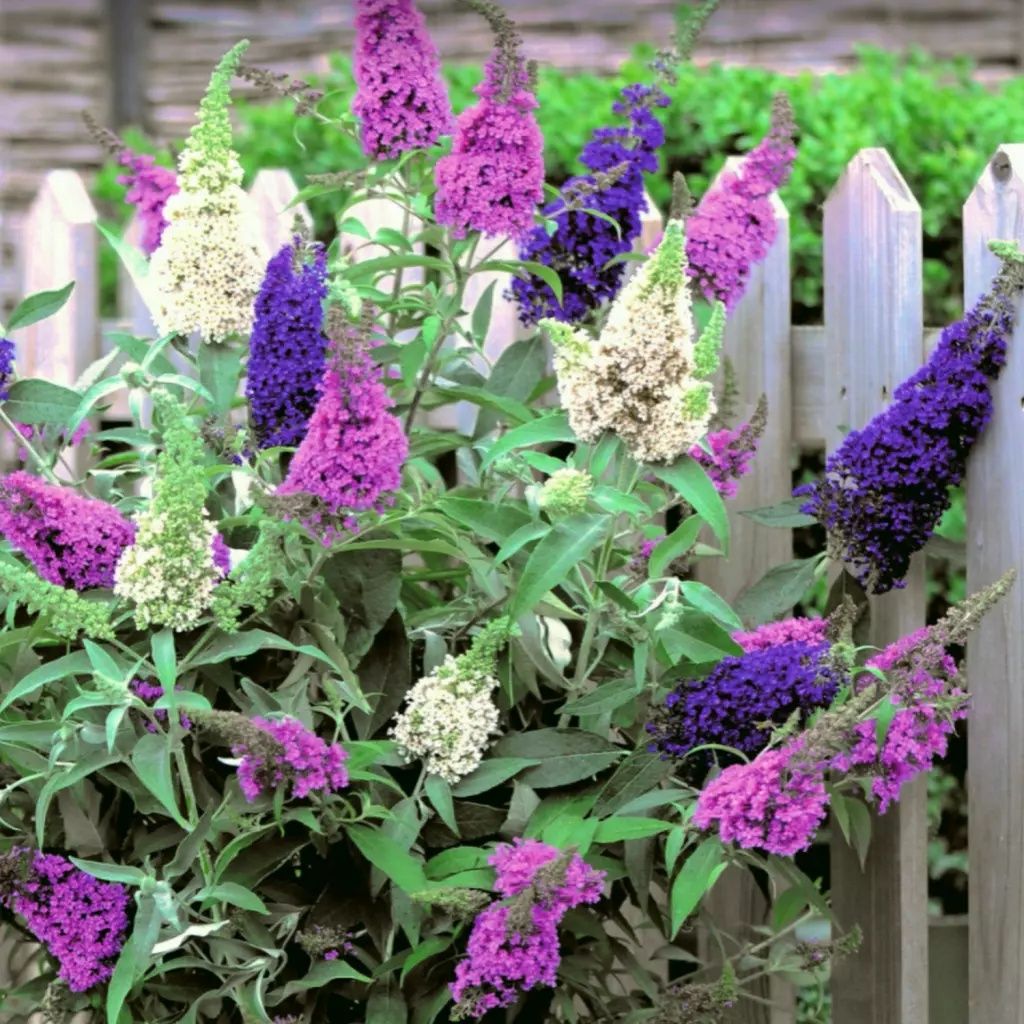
645 377
208 268
493 178
401 100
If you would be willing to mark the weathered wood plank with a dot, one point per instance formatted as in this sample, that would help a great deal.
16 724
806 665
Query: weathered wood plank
995 654
272 192
874 339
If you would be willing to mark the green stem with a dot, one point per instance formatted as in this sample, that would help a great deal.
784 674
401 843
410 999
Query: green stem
40 463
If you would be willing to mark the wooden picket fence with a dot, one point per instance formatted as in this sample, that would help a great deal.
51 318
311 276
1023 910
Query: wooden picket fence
819 381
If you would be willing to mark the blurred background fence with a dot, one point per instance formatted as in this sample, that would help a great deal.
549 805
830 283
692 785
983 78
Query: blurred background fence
818 380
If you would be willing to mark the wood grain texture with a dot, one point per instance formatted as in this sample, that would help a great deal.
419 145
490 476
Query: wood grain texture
995 653
873 340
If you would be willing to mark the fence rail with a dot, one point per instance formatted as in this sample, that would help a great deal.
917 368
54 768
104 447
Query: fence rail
818 382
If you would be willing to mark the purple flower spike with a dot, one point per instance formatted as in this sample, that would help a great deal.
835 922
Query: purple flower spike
72 541
401 100
149 188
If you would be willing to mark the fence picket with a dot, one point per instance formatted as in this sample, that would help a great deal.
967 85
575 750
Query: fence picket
995 654
271 193
874 339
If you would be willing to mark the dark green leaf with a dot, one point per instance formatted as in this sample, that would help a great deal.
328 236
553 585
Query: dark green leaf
366 585
151 761
674 546
785 514
492 772
696 877
493 522
614 830
402 868
385 674
439 793
639 773
41 402
606 697
776 592
220 366
545 430
566 755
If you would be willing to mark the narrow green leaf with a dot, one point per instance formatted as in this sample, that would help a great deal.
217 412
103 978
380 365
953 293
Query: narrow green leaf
776 592
237 895
696 877
121 983
674 546
424 951
39 306
614 830
402 868
439 793
552 559
703 597
606 697
545 430
123 873
786 514
40 401
688 479
76 663
492 772
220 367
151 761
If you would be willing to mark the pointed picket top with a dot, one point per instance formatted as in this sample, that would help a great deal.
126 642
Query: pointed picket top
995 654
874 339
272 193
62 223
652 224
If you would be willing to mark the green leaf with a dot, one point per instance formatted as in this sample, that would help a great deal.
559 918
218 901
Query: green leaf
517 267
151 761
220 367
493 522
566 755
688 479
321 974
674 546
76 663
492 772
481 319
39 306
164 658
123 873
121 982
606 697
776 592
545 430
703 597
638 774
553 558
696 877
131 259
382 264
402 868
424 951
40 402
237 895
440 795
786 514
614 830
517 373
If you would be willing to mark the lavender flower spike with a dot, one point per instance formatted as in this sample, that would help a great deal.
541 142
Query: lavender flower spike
401 100
887 485
493 178
733 227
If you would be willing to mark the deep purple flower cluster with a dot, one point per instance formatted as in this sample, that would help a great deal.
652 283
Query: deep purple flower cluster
6 365
79 919
887 485
513 947
352 455
773 803
149 188
151 693
582 245
304 761
401 98
72 541
741 698
288 347
493 178
733 227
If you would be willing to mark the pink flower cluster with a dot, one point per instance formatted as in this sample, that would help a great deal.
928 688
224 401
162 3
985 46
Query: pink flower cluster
149 188
81 920
493 178
777 801
732 452
72 541
513 947
352 455
733 227
401 98
786 631
304 761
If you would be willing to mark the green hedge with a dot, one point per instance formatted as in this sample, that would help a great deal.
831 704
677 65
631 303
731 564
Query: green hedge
938 124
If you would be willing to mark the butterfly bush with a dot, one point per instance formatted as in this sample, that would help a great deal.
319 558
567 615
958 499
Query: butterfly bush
207 270
81 920
72 541
645 377
886 486
513 946
401 100
733 227
288 348
351 457
299 666
582 247
169 572
6 366
493 178
149 188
